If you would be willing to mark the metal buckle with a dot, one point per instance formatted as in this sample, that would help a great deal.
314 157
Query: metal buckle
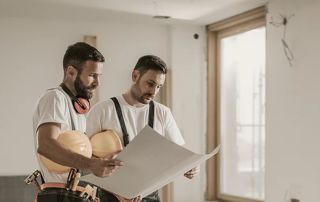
70 179
32 178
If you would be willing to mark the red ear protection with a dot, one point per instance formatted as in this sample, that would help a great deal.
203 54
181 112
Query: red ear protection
81 105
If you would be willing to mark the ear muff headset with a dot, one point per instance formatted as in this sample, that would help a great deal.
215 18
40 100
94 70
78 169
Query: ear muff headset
81 105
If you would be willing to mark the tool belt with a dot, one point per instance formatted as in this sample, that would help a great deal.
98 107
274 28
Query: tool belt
62 192
54 192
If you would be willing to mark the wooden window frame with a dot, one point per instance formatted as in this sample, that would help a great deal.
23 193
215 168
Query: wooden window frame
237 24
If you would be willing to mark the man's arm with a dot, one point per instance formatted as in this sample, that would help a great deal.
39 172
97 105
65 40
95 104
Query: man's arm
49 147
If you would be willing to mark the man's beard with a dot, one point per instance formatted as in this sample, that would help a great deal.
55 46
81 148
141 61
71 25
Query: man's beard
142 98
82 90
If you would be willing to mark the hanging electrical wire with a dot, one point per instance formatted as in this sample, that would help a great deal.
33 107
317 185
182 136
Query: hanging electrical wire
284 20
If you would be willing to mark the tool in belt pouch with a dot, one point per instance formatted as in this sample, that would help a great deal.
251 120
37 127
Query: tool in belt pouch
69 192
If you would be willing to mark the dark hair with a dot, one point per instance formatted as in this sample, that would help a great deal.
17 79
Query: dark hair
79 53
152 62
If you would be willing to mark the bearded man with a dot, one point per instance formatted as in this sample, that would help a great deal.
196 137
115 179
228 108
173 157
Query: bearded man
63 108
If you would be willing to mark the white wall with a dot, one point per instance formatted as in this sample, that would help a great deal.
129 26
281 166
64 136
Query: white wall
189 101
293 104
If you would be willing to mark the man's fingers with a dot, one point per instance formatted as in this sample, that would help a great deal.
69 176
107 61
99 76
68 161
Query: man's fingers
115 154
190 176
116 162
113 162
108 172
192 172
137 199
112 167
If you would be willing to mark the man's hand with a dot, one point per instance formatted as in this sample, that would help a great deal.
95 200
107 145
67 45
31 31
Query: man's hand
192 173
103 167
121 199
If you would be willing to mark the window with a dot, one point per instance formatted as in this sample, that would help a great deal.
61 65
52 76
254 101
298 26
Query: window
236 107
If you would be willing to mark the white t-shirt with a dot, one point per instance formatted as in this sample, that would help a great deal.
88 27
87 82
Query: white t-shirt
55 106
104 116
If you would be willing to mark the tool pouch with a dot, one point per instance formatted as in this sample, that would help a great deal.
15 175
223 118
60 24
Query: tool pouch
53 192
62 192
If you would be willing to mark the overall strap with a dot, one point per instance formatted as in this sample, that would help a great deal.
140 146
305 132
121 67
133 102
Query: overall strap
122 123
151 114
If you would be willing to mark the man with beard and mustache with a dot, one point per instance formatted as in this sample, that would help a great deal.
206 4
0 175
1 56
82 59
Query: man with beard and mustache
63 108
138 109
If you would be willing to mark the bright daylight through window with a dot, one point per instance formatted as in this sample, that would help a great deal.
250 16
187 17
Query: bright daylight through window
242 114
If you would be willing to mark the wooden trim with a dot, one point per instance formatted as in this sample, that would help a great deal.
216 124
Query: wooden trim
238 19
216 31
166 99
167 193
165 92
212 107
218 112
243 27
91 40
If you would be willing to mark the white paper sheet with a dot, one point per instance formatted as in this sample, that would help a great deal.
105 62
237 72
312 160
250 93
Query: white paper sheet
151 161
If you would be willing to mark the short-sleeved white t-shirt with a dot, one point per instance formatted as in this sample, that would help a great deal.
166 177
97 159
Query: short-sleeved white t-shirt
55 106
104 116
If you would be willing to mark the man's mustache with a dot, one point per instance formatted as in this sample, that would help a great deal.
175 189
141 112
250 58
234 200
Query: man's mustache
149 95
92 87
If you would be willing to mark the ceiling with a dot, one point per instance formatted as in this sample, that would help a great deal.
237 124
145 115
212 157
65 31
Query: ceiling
194 11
